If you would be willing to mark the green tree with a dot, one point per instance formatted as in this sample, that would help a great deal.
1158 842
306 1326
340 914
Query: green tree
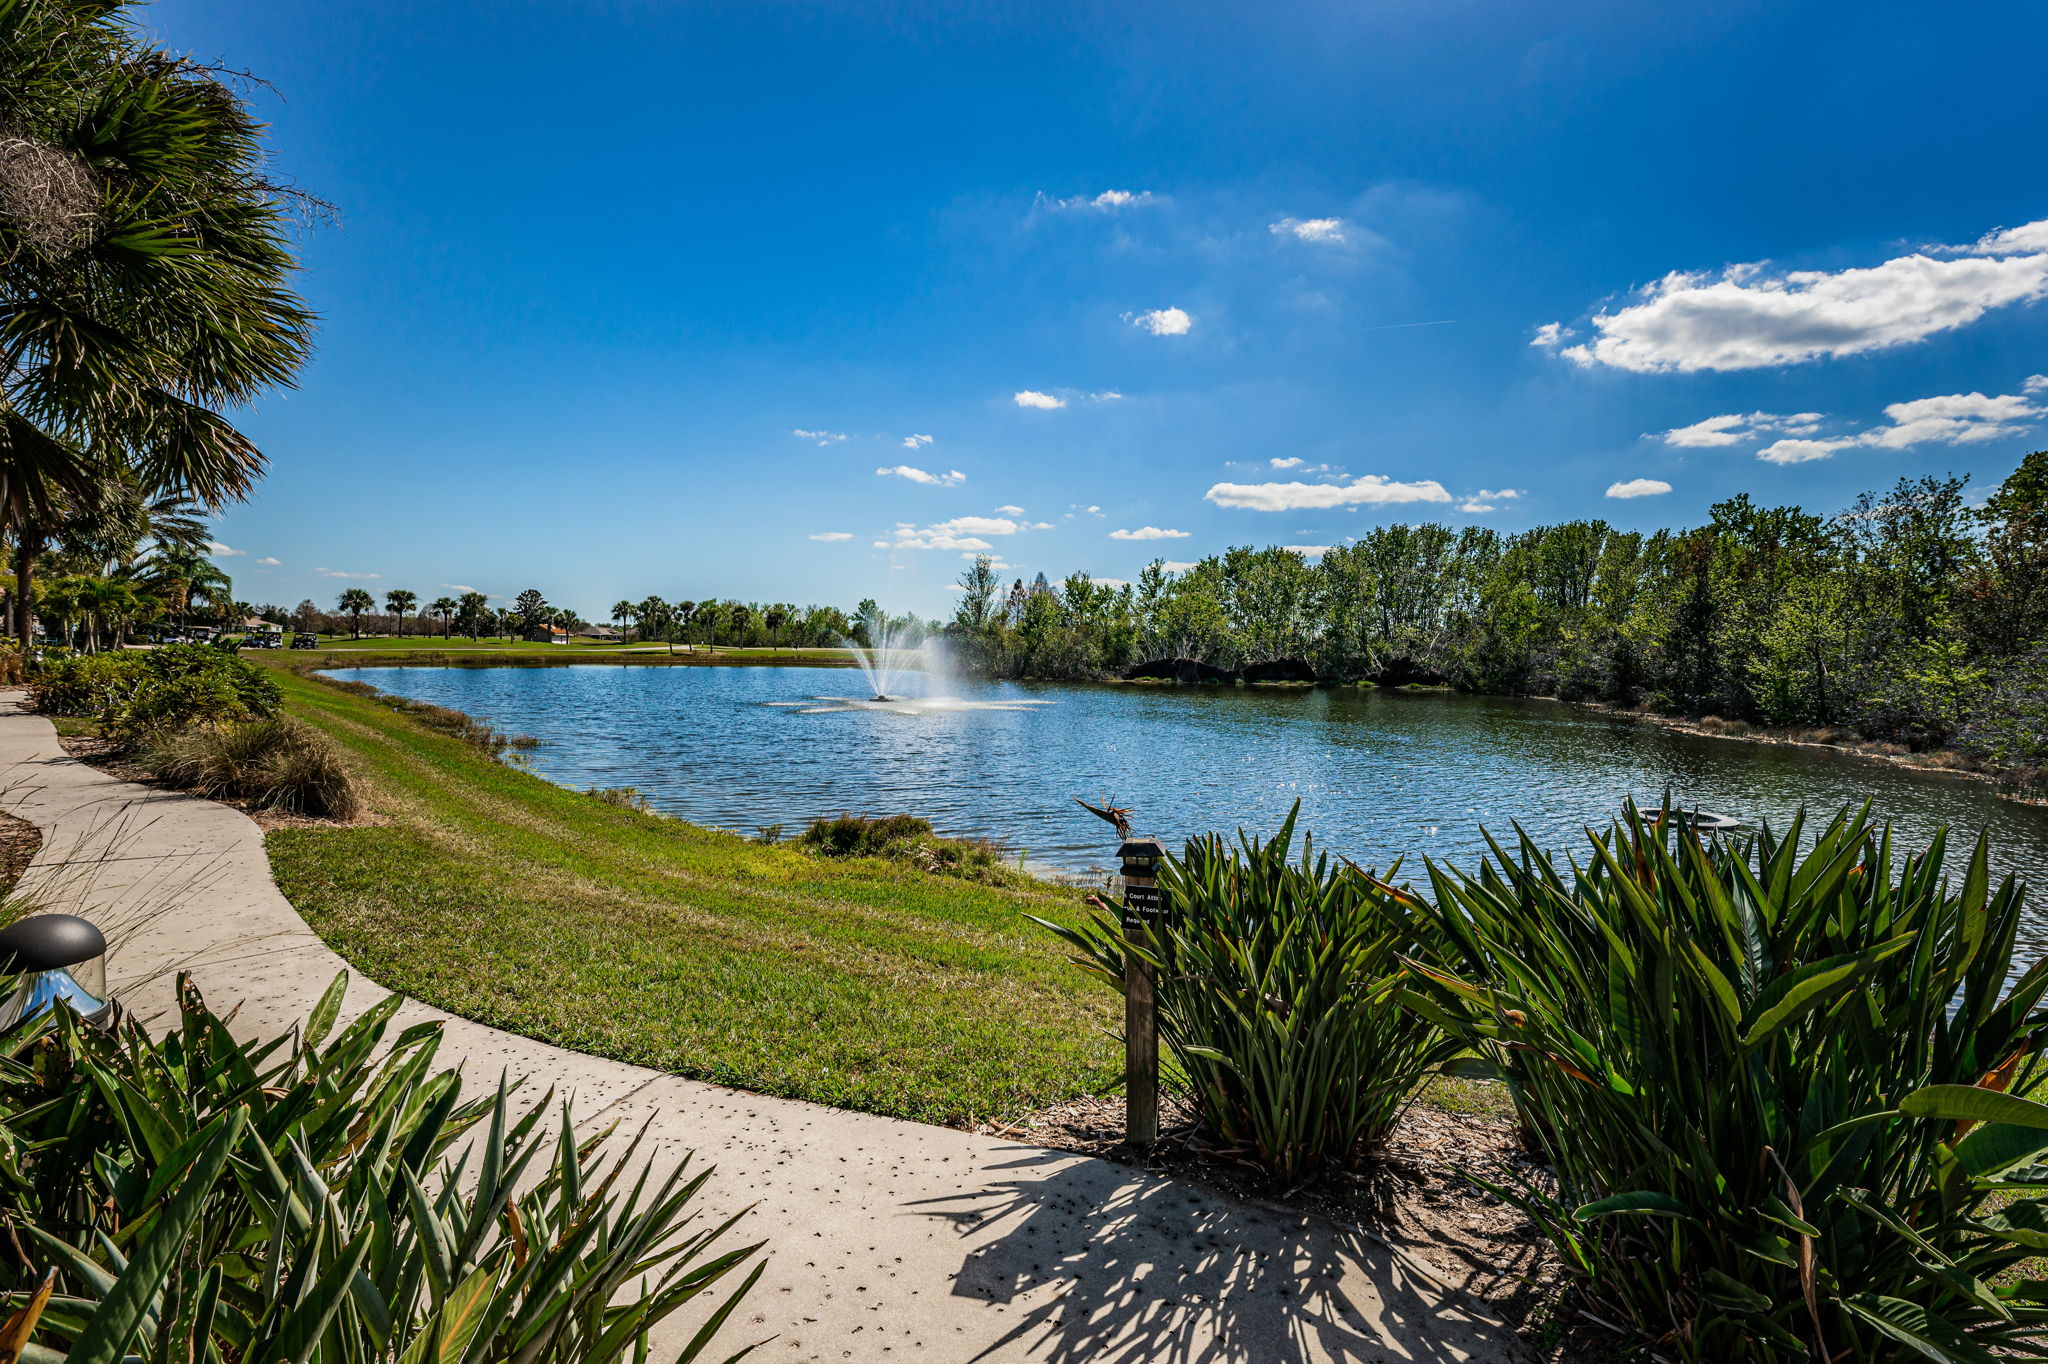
622 612
445 608
774 618
398 602
531 608
474 611
354 602
143 261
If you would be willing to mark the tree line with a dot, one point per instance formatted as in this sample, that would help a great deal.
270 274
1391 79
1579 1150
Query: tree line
1912 616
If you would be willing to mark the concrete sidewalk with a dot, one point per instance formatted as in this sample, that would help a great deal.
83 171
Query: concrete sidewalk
889 1240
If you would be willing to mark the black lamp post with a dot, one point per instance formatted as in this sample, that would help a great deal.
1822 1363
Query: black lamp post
61 959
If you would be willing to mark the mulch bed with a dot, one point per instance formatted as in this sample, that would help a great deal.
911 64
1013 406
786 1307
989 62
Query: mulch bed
1416 1194
20 841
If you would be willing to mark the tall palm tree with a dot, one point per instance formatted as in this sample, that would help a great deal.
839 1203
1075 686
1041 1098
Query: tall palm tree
143 262
108 604
445 608
775 618
475 609
398 601
182 578
355 601
622 611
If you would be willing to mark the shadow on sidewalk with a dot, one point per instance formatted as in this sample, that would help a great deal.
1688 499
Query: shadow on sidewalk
1114 1265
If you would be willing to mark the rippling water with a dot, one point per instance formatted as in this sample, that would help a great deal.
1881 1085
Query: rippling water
1378 774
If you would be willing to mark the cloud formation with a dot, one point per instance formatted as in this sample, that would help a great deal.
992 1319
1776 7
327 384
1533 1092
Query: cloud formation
1309 551
1749 316
1108 201
833 535
952 479
337 573
1551 334
1638 487
1163 321
960 533
1045 402
270 563
1370 490
221 551
913 442
1488 499
1175 565
1148 533
1734 427
1310 229
1952 419
822 437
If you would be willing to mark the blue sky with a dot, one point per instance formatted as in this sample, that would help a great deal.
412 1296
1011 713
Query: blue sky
1049 277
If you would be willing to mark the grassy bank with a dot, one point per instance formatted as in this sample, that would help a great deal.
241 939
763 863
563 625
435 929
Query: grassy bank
501 897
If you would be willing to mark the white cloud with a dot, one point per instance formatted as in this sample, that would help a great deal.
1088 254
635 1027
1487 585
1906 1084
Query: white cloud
1370 490
1106 202
912 442
1310 229
337 573
1009 511
1175 565
1748 316
1638 487
1733 428
1503 495
960 533
1112 582
1289 463
1163 321
822 437
952 479
458 587
1551 334
833 535
2036 383
1309 551
1148 533
270 563
1108 395
1488 499
1952 419
221 551
1045 402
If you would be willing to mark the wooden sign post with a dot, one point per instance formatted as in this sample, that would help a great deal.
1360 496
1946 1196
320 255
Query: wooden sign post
1143 908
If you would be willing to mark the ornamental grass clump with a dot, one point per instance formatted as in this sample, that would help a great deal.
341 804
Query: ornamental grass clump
1276 984
1780 1089
329 1197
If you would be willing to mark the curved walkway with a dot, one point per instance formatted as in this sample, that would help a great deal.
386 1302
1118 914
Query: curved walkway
889 1240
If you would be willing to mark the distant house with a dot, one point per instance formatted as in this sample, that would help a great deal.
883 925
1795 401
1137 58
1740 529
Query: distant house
547 634
601 632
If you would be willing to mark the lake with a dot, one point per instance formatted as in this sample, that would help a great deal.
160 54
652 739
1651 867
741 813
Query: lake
1379 774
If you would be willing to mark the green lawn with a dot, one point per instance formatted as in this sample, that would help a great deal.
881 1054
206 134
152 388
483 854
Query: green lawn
506 899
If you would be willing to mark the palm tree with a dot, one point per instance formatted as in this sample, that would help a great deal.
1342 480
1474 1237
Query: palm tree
445 608
355 601
622 611
654 615
179 577
741 617
141 281
475 609
686 611
108 604
707 616
775 618
398 601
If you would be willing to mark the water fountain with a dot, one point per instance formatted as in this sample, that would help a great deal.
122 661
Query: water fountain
890 657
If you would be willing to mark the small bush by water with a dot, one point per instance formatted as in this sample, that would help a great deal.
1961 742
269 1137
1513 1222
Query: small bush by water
1277 980
136 695
445 719
277 764
1780 1091
906 838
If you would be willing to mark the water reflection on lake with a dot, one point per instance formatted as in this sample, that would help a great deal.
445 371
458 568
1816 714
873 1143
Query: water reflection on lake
1379 774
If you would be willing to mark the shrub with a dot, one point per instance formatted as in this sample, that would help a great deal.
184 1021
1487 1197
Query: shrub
625 797
204 1199
1763 1080
278 764
906 838
1276 985
142 693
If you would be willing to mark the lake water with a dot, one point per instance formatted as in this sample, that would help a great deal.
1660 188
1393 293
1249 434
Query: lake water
1378 774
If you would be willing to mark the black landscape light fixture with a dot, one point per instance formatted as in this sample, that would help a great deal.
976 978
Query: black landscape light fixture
61 959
